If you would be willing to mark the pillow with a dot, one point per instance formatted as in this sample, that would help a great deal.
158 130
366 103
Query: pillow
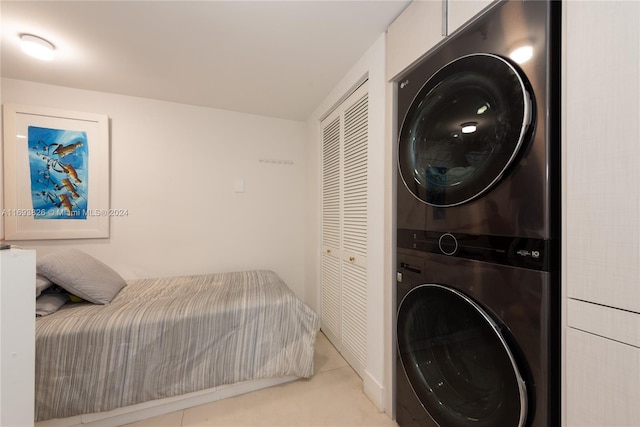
42 283
50 303
81 274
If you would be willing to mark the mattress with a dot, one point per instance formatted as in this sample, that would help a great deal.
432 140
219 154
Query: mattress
170 336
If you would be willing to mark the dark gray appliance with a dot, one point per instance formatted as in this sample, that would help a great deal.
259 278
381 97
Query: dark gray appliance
478 148
478 214
477 341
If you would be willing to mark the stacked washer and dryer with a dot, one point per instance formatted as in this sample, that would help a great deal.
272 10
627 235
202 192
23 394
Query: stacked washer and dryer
478 217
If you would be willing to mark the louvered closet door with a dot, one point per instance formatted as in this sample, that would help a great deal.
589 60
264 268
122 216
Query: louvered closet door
331 233
344 265
354 229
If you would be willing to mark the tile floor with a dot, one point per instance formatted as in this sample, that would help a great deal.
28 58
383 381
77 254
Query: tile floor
333 397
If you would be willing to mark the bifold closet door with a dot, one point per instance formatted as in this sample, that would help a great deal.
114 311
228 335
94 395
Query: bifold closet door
344 227
331 234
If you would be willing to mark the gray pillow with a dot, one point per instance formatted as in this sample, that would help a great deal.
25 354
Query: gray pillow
50 303
81 274
42 283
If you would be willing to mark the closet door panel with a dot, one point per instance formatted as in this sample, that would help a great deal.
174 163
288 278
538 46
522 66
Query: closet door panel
354 317
331 226
354 228
355 178
331 182
331 295
345 136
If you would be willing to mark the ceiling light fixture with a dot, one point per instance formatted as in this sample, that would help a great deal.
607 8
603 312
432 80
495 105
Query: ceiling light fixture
37 47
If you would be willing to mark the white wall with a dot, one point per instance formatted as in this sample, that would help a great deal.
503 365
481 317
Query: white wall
371 65
173 167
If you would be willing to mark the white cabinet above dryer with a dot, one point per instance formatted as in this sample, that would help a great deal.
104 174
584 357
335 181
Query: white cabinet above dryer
459 12
417 30
422 26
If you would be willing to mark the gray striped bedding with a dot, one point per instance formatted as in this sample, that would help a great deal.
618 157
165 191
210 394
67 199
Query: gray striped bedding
165 337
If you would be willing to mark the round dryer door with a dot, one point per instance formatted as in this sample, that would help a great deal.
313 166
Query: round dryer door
464 129
457 361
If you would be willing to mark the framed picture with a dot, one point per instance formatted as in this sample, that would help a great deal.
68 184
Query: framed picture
56 174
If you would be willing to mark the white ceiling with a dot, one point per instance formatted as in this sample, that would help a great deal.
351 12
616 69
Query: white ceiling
272 58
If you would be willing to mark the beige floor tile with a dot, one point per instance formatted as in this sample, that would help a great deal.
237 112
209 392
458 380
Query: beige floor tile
333 397
326 356
330 398
173 419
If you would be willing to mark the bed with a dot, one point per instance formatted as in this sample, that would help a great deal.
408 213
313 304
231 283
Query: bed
158 338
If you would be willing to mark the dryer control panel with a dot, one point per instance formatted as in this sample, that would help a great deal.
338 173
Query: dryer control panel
535 254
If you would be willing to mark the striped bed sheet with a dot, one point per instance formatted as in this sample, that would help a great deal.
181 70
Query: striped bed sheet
170 336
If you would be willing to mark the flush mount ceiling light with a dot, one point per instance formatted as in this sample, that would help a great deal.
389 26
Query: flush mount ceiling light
37 47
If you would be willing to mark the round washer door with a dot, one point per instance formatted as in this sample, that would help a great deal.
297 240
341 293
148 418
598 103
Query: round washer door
457 361
464 129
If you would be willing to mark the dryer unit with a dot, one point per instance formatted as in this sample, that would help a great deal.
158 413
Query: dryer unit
478 214
478 145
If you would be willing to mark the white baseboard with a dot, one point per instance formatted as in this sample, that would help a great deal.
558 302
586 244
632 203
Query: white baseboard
154 408
374 390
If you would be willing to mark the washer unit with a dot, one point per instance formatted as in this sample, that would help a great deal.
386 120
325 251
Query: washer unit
476 340
478 214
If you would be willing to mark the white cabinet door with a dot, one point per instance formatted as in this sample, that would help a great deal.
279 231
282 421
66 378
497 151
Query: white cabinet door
422 26
619 325
601 226
459 12
602 366
602 382
417 30
17 332
602 143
